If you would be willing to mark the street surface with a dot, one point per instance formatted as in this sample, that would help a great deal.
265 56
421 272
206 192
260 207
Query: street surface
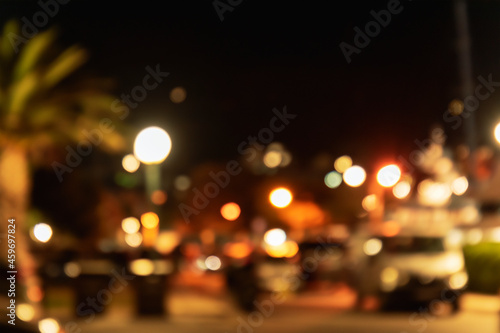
192 312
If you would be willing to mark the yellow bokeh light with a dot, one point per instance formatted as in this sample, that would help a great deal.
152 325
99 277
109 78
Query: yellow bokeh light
133 240
370 202
287 249
150 220
272 159
230 211
342 163
159 197
354 176
130 163
142 267
459 185
130 225
280 197
48 325
401 190
25 312
152 145
42 232
372 246
389 175
167 241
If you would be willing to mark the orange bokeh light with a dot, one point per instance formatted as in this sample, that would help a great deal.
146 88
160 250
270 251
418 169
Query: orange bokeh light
159 197
34 293
391 228
230 211
150 220
238 250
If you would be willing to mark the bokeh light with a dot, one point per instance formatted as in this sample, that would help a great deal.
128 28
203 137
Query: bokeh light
443 166
142 267
433 193
391 228
178 95
372 246
130 163
131 225
389 175
150 220
459 186
133 240
456 107
354 176
333 179
287 249
167 241
401 190
275 237
152 145
497 132
72 269
25 312
286 159
230 211
272 159
342 163
159 197
182 183
370 202
213 263
238 250
35 293
48 325
280 197
42 232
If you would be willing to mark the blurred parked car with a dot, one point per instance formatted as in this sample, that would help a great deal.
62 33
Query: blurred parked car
411 268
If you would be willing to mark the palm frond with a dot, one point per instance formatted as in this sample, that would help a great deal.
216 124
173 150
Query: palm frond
32 53
65 64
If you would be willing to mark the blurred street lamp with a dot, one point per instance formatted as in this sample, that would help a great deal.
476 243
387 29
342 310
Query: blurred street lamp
389 175
496 132
280 197
42 232
152 146
354 176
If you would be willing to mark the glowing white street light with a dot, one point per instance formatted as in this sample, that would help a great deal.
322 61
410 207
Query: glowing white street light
389 175
152 145
354 176
280 197
42 232
497 132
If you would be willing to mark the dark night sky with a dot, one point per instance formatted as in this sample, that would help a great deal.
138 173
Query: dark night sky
267 55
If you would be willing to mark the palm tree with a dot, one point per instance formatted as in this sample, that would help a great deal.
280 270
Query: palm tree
42 107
